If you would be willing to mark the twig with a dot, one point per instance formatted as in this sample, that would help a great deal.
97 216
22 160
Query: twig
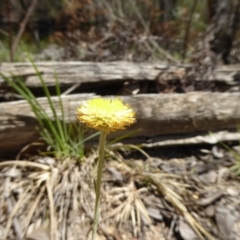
72 88
23 25
177 204
24 198
162 51
173 223
152 41
51 206
33 208
211 138
66 212
16 225
8 10
15 222
24 164
188 27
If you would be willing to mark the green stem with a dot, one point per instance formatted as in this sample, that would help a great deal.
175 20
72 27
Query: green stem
102 140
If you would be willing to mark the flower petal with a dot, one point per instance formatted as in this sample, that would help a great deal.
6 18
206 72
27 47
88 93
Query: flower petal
106 114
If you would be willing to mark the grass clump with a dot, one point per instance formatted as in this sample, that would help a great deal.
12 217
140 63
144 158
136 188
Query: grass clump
24 49
63 139
235 168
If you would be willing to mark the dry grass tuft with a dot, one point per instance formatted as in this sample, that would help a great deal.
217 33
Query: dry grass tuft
37 195
57 199
177 202
172 189
125 202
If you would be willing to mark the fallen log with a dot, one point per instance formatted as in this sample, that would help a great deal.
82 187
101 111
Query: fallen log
70 73
82 72
157 114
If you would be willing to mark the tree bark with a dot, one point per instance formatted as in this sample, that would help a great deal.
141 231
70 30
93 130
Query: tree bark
224 24
158 114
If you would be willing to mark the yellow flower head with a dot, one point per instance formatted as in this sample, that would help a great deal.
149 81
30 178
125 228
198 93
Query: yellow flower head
106 114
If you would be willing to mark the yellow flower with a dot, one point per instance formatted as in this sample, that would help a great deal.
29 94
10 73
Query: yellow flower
106 114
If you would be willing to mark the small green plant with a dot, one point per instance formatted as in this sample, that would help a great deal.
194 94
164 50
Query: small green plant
24 49
236 155
65 140
236 167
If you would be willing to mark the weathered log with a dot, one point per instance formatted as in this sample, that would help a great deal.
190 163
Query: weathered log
157 114
70 73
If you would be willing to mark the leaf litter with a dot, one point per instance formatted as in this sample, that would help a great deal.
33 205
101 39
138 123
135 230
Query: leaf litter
146 197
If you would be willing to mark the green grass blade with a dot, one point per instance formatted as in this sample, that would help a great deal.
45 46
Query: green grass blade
58 91
58 134
39 112
124 136
64 139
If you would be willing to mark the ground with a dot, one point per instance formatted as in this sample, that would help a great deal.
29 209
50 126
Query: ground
162 193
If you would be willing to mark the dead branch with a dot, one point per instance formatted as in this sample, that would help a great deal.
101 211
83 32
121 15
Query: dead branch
157 114
23 25
71 73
